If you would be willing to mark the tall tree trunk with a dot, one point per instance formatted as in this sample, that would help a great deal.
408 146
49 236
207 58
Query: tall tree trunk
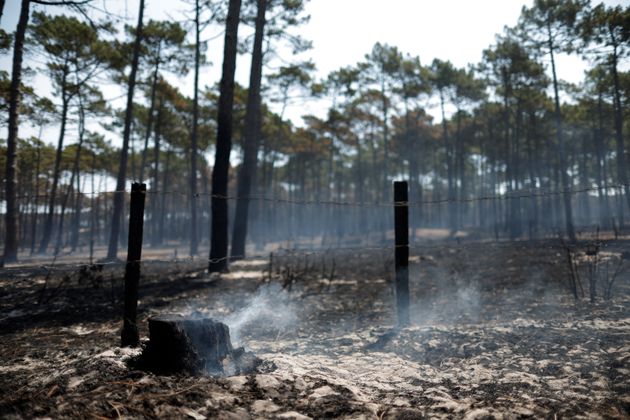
165 176
77 207
119 196
62 215
48 225
193 143
508 151
416 185
11 228
73 176
602 193
220 171
584 182
533 208
385 109
252 139
93 208
151 111
362 219
568 211
35 210
155 205
461 206
76 221
621 153
449 169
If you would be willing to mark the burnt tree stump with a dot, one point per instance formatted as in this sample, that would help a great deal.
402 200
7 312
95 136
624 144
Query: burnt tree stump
178 344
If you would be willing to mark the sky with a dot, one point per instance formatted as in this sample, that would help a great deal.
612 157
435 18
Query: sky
342 32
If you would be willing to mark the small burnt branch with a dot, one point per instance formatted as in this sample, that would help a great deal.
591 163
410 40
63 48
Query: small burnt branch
592 259
574 278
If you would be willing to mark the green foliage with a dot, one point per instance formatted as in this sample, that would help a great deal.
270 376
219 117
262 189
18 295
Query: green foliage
552 25
164 45
510 67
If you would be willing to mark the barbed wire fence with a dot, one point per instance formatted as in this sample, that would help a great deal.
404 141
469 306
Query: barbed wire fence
537 192
59 262
397 249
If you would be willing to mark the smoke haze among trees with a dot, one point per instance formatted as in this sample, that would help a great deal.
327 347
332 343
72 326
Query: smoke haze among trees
498 148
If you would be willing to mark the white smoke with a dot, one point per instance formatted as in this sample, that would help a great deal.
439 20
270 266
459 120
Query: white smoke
270 309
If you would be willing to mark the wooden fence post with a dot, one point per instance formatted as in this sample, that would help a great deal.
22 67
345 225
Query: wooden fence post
401 229
129 335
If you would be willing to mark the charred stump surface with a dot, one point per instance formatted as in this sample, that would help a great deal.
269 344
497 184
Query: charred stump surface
195 347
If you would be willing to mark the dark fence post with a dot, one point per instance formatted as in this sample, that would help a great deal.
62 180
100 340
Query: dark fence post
129 335
401 229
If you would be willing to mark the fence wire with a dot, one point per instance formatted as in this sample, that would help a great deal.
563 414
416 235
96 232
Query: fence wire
508 195
58 265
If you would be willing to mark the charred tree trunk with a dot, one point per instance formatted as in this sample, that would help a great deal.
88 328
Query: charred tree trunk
385 111
165 175
220 171
461 206
11 215
621 153
77 208
156 182
452 218
75 174
76 220
533 208
48 226
35 209
193 142
147 134
568 211
252 139
602 193
119 197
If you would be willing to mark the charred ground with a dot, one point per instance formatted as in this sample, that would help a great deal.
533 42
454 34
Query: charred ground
495 331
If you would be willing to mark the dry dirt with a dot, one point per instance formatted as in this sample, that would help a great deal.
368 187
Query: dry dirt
495 334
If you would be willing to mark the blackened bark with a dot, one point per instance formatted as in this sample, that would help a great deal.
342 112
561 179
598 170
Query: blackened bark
147 134
385 140
35 212
76 220
156 181
119 197
449 168
64 205
11 228
533 208
48 225
165 177
568 211
459 168
602 192
220 171
252 139
621 153
193 143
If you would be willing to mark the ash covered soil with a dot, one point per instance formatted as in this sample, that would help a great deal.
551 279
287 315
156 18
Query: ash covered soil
495 333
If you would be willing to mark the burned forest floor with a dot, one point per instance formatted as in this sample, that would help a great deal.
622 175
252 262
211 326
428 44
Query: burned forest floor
495 332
